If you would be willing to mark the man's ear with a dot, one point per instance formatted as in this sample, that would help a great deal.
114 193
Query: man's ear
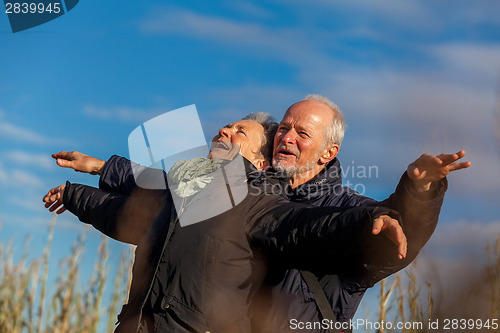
328 154
261 164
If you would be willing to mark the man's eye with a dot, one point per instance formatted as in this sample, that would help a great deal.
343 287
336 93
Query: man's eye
241 132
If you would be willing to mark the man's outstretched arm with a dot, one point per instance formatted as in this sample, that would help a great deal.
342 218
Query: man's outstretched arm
418 197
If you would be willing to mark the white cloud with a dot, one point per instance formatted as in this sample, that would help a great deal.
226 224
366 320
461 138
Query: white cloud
19 178
464 235
249 98
34 160
291 45
17 133
465 12
22 178
3 174
30 203
474 61
124 114
410 13
377 18
405 111
37 223
497 125
250 8
202 26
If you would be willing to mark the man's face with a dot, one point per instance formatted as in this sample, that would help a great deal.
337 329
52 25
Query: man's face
243 136
300 139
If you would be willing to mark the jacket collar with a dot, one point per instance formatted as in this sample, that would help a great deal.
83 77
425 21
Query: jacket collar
325 182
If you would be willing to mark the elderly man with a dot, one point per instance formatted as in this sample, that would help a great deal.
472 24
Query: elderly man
305 148
201 277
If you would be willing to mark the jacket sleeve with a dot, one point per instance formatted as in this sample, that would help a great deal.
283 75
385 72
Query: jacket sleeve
419 213
123 176
419 210
120 217
321 238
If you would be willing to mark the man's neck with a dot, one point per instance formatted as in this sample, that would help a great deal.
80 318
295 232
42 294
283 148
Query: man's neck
304 177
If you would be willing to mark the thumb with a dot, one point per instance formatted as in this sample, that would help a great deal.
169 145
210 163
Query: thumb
64 163
414 172
377 226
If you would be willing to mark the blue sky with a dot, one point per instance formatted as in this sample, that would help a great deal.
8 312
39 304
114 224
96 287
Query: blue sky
411 77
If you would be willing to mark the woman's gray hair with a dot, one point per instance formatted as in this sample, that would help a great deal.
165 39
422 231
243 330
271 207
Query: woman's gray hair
334 134
270 127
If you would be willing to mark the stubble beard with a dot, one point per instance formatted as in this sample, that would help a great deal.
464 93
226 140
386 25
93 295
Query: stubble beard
291 170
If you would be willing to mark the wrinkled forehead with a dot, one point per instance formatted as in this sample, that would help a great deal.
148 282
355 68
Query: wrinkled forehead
309 114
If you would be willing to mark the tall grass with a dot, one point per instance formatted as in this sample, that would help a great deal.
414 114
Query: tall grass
475 297
27 306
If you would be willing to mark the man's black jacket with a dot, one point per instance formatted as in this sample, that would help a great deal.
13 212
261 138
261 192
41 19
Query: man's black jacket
202 277
289 297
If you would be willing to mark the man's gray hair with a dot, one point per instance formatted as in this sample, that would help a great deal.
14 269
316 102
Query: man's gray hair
334 134
270 127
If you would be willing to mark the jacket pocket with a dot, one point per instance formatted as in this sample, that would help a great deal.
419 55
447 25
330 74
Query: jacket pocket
179 316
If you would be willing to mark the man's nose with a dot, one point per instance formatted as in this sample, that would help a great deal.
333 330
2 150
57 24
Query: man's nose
225 132
288 137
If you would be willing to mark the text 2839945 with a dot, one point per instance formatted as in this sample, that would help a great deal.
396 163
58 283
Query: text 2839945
32 7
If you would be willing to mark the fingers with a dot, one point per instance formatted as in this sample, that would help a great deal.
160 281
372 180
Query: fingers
66 155
56 205
49 199
414 172
67 159
402 243
54 199
391 229
450 161
431 168
377 226
79 162
64 158
419 169
65 163
49 194
458 166
451 158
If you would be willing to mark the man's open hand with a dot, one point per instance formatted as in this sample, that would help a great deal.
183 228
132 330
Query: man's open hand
79 162
428 168
390 228
54 199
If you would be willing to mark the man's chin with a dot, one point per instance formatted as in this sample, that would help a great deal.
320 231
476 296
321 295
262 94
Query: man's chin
290 169
285 167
